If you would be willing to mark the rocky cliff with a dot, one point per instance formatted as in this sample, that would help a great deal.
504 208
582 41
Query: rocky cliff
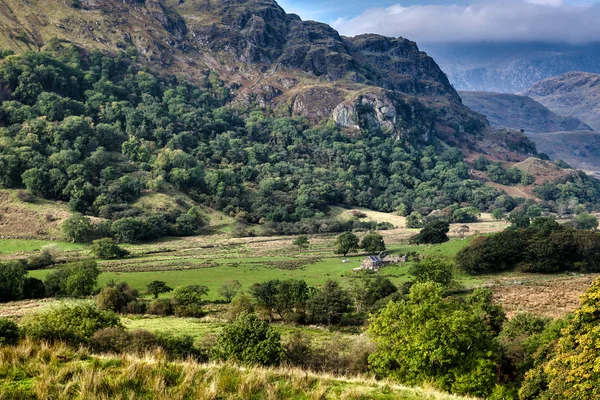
269 58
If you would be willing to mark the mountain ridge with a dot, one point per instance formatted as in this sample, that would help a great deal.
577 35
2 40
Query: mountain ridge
269 59
572 94
505 110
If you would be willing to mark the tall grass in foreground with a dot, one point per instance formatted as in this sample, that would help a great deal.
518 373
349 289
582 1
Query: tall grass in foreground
40 371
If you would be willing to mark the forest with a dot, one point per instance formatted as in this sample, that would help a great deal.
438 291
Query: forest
96 131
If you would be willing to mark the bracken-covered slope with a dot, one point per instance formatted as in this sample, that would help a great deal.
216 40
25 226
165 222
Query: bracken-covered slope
572 94
270 59
504 110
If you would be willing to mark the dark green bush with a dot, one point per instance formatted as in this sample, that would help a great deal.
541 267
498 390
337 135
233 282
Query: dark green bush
250 341
9 332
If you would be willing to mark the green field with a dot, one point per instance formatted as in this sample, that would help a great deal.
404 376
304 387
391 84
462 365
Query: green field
8 246
202 328
250 270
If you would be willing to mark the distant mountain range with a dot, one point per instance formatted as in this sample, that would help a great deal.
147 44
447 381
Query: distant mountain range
510 67
559 114
572 94
504 110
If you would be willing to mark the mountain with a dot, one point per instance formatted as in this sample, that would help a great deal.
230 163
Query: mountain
236 106
574 94
580 149
504 110
510 67
268 58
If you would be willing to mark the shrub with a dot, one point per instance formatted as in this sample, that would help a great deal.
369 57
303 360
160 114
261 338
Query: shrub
116 297
249 340
188 310
12 278
41 260
242 303
107 249
71 324
301 241
74 279
179 346
160 307
432 269
33 288
9 332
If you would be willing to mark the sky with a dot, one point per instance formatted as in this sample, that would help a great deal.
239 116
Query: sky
437 21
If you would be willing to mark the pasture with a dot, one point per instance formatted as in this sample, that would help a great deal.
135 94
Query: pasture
213 267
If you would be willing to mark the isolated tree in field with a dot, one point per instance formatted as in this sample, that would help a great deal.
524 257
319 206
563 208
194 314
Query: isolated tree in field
78 228
107 249
586 221
497 214
249 340
433 232
372 243
346 243
229 290
190 294
301 241
155 288
329 304
12 278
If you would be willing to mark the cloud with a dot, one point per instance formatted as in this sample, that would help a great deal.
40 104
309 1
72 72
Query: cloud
491 20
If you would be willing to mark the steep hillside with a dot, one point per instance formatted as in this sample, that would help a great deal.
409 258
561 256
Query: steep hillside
574 94
243 108
512 111
269 58
580 149
509 67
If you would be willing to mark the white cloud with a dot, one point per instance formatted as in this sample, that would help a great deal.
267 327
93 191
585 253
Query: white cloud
491 20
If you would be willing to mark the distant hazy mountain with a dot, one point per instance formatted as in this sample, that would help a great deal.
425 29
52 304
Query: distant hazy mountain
580 149
504 110
573 94
510 67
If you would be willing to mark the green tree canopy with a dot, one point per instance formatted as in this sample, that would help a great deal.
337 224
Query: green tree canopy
427 338
249 340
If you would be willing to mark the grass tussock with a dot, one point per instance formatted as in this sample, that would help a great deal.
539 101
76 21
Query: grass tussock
41 371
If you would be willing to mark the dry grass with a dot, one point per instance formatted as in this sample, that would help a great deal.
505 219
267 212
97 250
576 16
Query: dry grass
40 219
545 295
33 370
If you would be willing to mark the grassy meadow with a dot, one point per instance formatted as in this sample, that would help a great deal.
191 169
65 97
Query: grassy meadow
214 266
